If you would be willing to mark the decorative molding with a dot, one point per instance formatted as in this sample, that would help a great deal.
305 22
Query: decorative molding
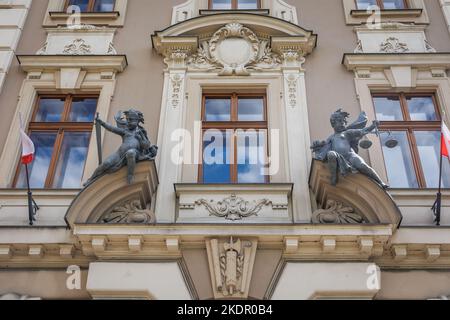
176 96
292 87
77 47
428 47
256 54
130 212
336 212
15 296
233 208
393 45
231 264
359 48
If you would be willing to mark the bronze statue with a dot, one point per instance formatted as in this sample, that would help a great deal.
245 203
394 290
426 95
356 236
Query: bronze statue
135 146
340 151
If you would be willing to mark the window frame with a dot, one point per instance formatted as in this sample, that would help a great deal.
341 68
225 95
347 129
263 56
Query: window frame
234 124
90 6
380 4
409 126
60 128
234 5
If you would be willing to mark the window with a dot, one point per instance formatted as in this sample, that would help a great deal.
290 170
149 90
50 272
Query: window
93 5
234 139
414 121
61 130
383 4
234 4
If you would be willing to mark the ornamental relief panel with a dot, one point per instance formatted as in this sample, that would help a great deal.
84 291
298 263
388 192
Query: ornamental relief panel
234 50
231 264
79 40
393 38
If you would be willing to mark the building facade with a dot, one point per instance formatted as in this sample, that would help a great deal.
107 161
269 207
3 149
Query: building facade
234 93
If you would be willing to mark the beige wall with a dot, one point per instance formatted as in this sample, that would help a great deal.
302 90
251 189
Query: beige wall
417 285
33 38
141 84
45 284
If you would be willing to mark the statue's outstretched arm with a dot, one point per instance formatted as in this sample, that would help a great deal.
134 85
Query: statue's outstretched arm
111 128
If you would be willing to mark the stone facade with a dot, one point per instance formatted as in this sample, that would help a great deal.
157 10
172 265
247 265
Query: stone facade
167 236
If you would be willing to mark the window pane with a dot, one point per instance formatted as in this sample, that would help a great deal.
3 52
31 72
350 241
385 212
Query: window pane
44 143
221 4
50 110
104 5
83 4
217 156
399 165
394 4
251 156
428 145
251 109
421 109
388 108
247 4
83 110
364 4
217 109
70 167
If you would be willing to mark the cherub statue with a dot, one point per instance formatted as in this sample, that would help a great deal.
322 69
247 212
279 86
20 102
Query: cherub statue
340 151
135 146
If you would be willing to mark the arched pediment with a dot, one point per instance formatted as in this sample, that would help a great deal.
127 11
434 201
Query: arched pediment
209 43
205 24
111 200
356 199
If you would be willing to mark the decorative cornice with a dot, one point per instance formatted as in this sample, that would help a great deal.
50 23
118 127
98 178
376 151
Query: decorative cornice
116 63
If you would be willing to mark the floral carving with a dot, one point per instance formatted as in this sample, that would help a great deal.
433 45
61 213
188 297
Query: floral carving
337 213
208 56
77 47
233 208
393 45
176 81
128 213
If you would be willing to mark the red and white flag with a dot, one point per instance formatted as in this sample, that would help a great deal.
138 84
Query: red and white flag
445 141
27 146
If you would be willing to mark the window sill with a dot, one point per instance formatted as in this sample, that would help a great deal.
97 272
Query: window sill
392 13
254 11
113 15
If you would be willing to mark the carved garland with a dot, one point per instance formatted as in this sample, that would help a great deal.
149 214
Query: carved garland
233 208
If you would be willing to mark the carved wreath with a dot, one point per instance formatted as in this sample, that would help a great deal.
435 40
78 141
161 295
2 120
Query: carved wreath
233 208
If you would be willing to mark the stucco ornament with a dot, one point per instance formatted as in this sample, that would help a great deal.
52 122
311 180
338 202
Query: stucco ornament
129 212
233 208
135 145
234 50
336 212
77 47
340 151
393 45
231 264
15 296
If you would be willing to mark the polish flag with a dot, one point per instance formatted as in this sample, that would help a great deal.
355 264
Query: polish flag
27 146
445 141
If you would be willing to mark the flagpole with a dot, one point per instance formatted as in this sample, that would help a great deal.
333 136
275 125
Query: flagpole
31 207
